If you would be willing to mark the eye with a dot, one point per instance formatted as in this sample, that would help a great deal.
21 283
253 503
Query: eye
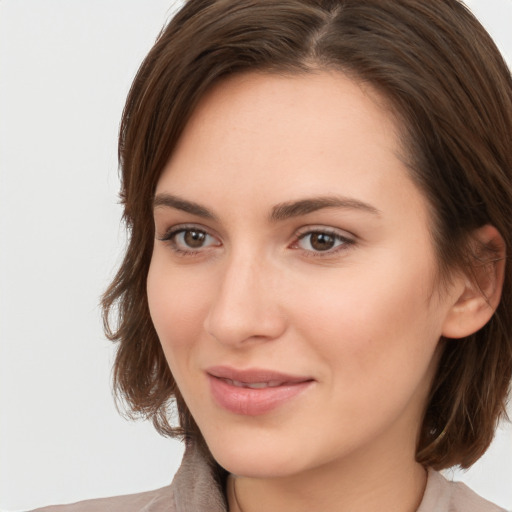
188 240
322 241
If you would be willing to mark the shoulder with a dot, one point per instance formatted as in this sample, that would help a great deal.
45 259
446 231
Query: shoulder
152 501
441 495
196 487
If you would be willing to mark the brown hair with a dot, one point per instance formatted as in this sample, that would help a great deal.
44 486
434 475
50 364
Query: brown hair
450 88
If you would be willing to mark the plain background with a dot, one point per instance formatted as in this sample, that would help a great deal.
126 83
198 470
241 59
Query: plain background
65 70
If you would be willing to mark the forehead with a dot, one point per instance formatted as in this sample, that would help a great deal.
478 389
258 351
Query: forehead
315 106
280 138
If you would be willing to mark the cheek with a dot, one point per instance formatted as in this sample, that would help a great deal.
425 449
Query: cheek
377 324
176 309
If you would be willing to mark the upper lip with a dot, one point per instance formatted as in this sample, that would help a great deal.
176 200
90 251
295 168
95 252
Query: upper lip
254 375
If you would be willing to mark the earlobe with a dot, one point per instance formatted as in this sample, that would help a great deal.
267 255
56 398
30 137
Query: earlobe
479 291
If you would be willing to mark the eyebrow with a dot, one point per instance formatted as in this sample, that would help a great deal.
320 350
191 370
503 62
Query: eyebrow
184 205
290 209
279 212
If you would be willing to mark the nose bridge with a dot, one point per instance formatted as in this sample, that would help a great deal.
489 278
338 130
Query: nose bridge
245 305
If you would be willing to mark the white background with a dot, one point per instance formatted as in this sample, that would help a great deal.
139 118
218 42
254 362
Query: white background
65 70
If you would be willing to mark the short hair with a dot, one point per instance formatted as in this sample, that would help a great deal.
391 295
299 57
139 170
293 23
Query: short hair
451 92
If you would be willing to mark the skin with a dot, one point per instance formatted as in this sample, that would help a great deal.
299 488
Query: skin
362 319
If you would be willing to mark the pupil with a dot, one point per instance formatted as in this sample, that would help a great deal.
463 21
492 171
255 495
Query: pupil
194 239
322 242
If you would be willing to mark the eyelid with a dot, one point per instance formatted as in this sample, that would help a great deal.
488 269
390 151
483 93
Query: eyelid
177 228
169 237
348 239
320 228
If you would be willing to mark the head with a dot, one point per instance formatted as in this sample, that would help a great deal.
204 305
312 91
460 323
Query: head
436 76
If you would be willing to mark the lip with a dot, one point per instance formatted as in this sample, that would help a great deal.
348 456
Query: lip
254 391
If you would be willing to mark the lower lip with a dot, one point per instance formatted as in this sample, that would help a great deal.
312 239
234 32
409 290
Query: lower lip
253 402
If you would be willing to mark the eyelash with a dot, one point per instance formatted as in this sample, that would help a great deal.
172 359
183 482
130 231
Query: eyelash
170 238
344 242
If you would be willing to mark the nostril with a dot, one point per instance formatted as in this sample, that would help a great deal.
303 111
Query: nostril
240 325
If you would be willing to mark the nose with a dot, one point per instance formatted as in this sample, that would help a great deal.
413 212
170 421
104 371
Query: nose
246 307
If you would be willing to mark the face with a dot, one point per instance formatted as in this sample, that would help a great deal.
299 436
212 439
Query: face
293 279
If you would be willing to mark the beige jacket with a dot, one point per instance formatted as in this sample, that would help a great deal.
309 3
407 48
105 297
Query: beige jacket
194 489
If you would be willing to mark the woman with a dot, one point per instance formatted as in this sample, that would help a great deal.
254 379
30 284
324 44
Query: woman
319 197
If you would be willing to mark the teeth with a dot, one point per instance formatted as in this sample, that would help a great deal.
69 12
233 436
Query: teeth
254 385
260 385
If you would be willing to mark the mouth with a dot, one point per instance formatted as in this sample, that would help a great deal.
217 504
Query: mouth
254 385
254 392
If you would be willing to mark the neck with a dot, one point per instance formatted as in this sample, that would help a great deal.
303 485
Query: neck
396 486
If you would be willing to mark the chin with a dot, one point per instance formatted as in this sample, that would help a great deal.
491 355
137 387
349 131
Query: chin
256 459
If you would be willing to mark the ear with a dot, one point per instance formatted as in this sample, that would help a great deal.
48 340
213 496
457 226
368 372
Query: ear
477 292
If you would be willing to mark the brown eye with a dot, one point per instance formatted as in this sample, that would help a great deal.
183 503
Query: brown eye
322 241
194 239
190 240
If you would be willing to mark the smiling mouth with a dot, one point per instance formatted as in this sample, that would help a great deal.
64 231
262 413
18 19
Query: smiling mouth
258 377
254 385
254 392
